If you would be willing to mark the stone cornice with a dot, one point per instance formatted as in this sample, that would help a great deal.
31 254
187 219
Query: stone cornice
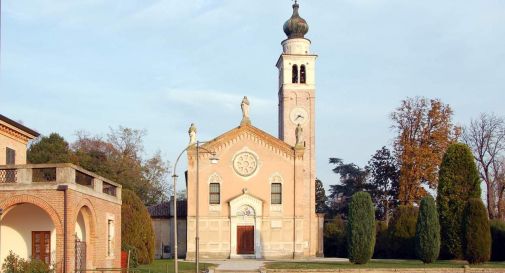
250 132
8 131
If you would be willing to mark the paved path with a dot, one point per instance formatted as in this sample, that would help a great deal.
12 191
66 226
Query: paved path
254 265
239 265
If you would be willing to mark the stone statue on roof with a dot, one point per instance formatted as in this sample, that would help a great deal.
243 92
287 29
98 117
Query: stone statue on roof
245 111
192 134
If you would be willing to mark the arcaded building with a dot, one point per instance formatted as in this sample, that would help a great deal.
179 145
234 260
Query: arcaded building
61 214
258 200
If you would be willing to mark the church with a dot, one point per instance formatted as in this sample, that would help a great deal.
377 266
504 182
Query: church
258 200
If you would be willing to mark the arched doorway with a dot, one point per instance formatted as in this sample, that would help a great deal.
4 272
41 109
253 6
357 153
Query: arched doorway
80 243
84 238
245 226
28 231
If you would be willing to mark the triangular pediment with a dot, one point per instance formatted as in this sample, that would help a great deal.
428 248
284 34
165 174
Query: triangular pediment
248 131
248 200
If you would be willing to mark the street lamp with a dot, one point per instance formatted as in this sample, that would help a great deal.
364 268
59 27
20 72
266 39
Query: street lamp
213 160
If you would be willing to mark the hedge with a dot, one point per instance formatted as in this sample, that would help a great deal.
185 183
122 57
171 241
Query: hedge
498 240
402 232
335 239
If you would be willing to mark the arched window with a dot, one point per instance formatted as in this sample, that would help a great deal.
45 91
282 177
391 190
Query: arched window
295 74
214 193
302 74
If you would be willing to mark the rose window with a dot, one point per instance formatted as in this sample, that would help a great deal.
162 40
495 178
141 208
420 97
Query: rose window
245 163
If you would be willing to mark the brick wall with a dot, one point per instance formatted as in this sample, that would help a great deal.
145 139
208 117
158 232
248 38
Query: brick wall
96 212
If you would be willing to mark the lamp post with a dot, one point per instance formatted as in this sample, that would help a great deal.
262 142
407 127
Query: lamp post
213 160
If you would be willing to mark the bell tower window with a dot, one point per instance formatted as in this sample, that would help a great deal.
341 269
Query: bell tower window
295 74
302 74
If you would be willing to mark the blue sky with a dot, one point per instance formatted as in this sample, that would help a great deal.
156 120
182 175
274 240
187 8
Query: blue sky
161 64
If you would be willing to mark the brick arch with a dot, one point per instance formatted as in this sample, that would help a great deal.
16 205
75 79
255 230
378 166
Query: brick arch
89 213
90 221
37 201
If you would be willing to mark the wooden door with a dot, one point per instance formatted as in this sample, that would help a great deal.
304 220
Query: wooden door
41 246
245 240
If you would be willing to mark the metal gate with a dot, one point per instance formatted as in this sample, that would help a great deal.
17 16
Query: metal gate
80 255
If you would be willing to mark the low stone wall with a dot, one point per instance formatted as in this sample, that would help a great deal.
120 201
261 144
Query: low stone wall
391 270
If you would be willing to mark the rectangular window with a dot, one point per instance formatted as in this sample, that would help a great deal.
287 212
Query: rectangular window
110 238
41 246
214 193
10 156
276 193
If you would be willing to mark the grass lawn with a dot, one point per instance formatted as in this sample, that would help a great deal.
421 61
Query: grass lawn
167 266
379 264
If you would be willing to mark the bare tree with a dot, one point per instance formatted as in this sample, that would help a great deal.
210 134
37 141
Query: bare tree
486 138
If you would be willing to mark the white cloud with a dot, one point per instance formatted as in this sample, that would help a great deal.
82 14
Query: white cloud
214 99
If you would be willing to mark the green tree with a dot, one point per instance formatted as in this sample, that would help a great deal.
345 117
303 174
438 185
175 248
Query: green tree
498 240
335 242
402 232
384 174
352 179
361 228
49 149
477 234
428 231
136 230
459 181
320 197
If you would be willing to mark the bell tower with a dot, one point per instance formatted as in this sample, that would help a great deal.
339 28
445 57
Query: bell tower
297 87
297 91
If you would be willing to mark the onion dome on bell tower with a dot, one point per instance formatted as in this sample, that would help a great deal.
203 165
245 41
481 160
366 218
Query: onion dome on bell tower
296 26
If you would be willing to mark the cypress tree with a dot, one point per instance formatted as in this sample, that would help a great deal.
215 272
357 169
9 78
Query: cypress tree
136 230
458 182
428 231
477 234
361 228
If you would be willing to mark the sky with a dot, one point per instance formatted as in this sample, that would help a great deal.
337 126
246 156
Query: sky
160 65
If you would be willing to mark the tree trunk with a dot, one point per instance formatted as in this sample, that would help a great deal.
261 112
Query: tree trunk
501 203
491 202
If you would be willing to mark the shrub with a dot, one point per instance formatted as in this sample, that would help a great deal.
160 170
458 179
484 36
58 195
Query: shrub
498 240
14 264
136 228
361 228
458 181
382 240
477 234
133 255
402 232
427 231
335 241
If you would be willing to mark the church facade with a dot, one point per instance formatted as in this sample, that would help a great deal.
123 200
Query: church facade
258 200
